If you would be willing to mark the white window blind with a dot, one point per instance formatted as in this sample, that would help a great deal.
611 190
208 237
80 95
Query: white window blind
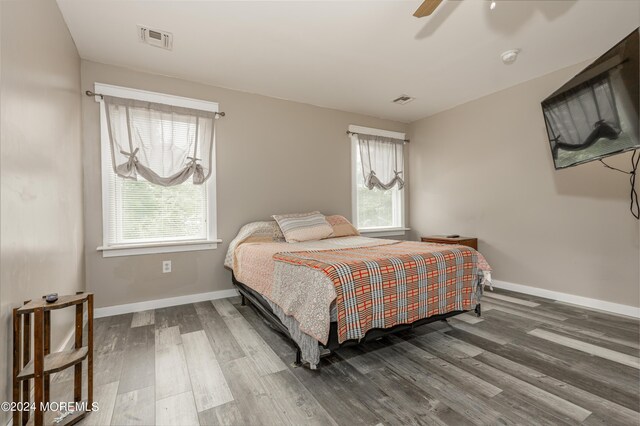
142 212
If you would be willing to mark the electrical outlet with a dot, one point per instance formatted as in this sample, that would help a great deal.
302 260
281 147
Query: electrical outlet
166 266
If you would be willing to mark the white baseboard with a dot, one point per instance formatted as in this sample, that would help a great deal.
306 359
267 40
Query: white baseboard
162 303
587 302
68 341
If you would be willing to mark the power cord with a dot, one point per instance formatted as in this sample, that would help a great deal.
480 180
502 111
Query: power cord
635 159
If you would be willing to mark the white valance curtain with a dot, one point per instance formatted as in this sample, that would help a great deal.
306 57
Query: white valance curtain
382 160
164 144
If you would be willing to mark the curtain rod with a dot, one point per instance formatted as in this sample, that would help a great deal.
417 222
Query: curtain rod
354 133
93 94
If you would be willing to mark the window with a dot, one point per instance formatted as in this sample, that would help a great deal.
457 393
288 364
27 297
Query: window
375 212
140 217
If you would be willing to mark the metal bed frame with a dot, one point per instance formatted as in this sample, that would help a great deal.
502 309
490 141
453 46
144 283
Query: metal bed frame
266 312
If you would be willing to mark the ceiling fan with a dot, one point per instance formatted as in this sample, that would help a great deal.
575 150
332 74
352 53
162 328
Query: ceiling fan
426 8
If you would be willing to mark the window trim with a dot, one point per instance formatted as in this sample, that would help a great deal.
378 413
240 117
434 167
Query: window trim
377 231
153 248
114 250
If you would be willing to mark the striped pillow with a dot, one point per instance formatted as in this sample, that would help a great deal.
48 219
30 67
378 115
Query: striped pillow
303 226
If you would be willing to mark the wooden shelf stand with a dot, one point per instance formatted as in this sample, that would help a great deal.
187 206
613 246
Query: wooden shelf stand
32 321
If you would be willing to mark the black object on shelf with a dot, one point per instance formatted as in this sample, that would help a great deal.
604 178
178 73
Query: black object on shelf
50 298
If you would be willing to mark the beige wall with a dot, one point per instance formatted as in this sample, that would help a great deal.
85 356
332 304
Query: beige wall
40 160
273 156
485 169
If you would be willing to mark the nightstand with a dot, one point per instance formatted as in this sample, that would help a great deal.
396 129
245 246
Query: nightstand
442 239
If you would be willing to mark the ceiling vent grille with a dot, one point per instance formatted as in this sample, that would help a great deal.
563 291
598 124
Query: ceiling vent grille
403 99
157 38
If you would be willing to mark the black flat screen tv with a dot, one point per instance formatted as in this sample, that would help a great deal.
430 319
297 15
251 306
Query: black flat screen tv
596 113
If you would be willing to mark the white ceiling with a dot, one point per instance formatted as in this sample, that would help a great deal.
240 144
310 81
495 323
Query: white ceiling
353 55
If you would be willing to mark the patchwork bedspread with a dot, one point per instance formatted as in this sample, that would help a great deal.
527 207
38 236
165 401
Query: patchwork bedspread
368 282
385 285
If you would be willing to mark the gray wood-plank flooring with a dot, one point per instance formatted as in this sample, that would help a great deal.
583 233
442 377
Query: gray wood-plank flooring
527 360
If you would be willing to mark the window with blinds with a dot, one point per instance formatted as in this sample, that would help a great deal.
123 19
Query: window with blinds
142 212
141 217
375 210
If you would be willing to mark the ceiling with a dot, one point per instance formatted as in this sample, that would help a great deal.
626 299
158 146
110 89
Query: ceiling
353 55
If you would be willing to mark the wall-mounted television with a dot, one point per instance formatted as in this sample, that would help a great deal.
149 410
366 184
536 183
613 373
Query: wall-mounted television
595 114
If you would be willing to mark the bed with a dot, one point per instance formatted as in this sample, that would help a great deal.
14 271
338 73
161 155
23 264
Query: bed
334 292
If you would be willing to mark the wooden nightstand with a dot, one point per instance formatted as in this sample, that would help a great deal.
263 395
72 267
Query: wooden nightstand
442 239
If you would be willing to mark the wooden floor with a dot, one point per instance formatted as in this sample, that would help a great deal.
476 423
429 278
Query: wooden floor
526 361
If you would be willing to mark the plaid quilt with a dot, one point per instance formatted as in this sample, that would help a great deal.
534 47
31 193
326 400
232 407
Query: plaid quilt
382 286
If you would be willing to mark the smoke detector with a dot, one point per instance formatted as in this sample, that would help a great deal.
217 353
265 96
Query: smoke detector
403 99
509 56
157 38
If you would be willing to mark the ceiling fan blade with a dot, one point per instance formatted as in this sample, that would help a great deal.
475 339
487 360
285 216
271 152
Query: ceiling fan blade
426 8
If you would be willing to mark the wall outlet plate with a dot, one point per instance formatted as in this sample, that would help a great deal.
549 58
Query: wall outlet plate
166 266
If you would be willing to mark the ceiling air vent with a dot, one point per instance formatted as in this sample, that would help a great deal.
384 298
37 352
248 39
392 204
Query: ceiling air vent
404 99
157 38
